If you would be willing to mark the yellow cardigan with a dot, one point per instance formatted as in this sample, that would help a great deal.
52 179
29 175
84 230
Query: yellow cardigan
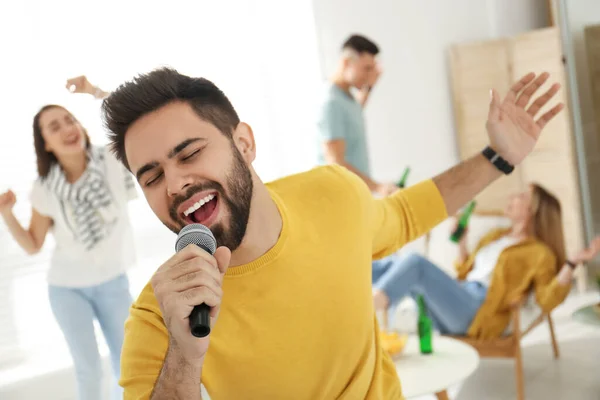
527 264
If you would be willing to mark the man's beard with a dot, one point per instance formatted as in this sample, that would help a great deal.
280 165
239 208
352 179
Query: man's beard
240 187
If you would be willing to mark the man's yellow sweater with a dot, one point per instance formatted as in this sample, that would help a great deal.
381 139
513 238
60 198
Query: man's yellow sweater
298 322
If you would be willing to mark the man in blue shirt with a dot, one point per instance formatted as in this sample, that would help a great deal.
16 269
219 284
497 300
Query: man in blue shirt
342 137
341 126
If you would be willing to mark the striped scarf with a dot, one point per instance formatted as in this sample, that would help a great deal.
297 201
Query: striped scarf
88 205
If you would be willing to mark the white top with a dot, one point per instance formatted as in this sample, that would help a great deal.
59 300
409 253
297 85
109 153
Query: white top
93 235
487 258
451 362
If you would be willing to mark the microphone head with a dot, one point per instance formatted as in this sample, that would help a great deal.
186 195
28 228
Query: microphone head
198 234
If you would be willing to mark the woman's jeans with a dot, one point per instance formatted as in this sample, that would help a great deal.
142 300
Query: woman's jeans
451 305
75 310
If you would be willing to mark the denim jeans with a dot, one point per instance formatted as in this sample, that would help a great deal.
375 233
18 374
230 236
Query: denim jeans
75 310
451 305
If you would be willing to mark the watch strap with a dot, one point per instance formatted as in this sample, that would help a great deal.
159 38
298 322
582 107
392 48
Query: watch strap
497 161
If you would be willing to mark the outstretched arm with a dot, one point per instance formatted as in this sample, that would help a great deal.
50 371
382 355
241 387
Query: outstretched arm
513 133
551 288
565 275
30 239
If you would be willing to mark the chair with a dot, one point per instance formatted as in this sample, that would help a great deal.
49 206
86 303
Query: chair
509 345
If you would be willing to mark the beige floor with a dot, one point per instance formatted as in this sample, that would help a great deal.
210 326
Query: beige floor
575 376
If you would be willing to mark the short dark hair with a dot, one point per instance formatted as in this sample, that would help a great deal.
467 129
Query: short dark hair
46 159
360 44
149 92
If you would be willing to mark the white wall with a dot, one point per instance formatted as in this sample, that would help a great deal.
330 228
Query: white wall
511 17
409 116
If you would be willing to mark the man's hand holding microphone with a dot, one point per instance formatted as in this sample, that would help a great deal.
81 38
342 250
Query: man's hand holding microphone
185 284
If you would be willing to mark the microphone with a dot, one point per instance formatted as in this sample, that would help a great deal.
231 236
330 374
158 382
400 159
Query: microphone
202 237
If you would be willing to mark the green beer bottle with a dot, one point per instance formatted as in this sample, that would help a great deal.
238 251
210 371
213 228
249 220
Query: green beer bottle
424 327
463 222
402 182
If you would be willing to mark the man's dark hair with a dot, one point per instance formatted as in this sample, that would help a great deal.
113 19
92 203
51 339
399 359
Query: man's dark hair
361 44
151 91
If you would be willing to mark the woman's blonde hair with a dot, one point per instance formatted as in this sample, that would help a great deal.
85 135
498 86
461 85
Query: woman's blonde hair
546 219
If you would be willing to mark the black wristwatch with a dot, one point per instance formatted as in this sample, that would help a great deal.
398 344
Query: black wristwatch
571 264
498 161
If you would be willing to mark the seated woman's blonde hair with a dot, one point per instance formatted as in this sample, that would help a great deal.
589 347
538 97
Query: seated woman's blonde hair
546 220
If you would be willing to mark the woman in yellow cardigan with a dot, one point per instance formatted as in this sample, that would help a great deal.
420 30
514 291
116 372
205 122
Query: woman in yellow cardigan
503 267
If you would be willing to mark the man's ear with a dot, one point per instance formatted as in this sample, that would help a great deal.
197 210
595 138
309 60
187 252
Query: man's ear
243 137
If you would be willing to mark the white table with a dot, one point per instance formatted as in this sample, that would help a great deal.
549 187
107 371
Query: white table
451 362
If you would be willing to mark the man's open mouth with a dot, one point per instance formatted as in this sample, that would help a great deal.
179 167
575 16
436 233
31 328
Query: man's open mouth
201 210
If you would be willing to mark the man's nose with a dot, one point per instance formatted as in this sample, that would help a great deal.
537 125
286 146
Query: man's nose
177 183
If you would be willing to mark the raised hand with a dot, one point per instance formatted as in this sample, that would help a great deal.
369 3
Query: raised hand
80 84
512 128
7 201
374 76
588 253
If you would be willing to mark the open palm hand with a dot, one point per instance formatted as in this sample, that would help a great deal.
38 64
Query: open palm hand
511 127
588 253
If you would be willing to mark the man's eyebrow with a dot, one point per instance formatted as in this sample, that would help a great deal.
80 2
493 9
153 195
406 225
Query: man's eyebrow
179 148
145 168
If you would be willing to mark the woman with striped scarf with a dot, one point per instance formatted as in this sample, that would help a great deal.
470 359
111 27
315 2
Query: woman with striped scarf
81 196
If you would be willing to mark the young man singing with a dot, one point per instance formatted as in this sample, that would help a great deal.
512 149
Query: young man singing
289 286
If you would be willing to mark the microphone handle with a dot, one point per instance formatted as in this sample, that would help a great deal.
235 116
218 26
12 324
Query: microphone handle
200 316
200 320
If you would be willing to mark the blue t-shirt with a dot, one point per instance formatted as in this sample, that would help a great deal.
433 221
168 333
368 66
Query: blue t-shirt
340 116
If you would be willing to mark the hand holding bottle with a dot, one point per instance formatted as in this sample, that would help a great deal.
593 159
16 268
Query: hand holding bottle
462 243
463 222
